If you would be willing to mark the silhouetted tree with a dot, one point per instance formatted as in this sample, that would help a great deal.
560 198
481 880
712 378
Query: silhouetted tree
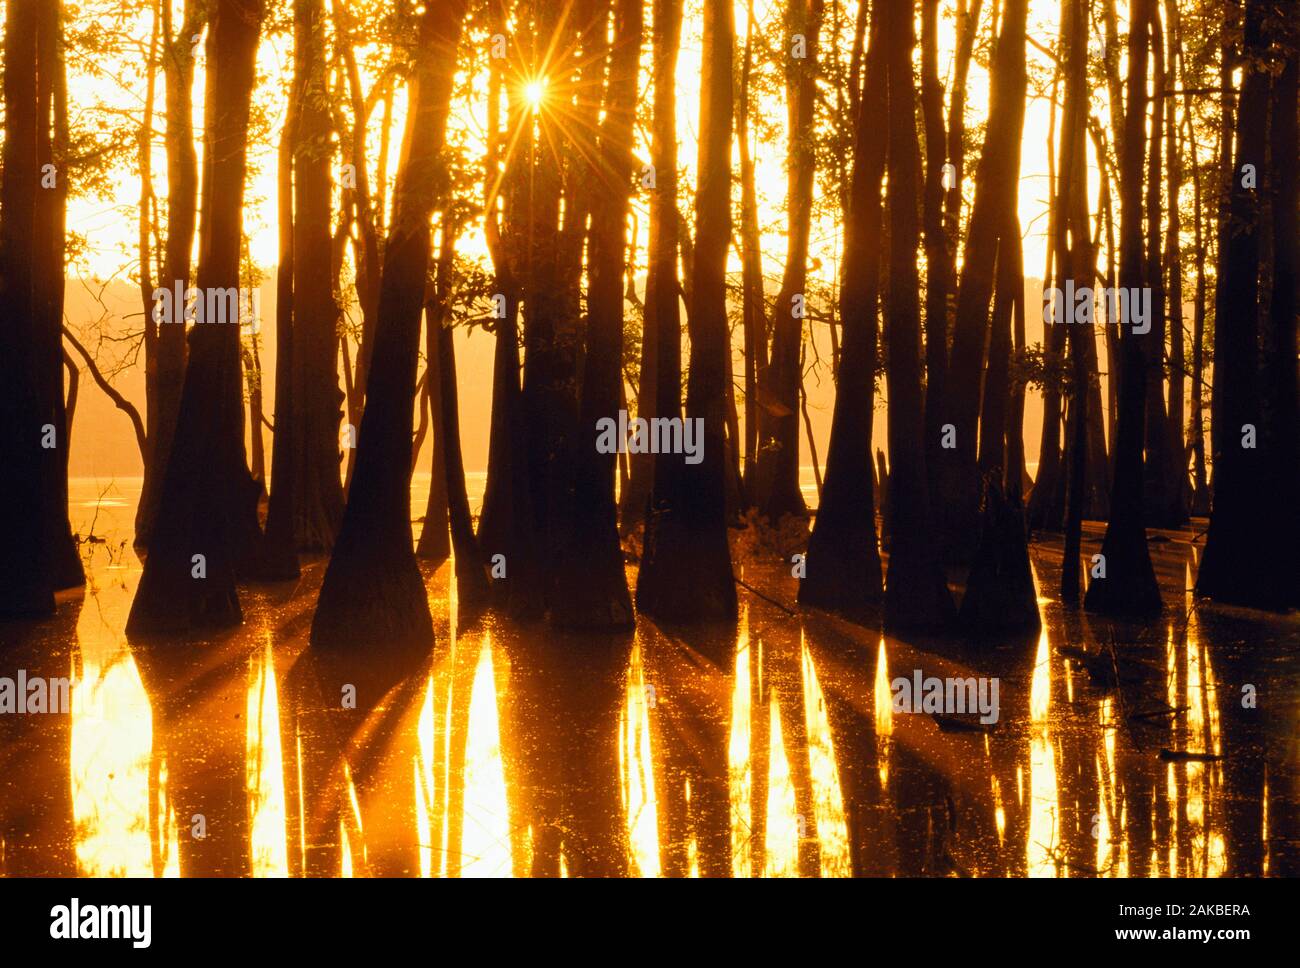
592 584
59 559
686 565
916 593
1249 551
372 587
318 507
279 549
843 570
995 184
776 490
206 531
165 344
1129 584
24 588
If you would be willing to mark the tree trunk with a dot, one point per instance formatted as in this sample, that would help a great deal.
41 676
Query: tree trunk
1177 504
1279 568
591 590
686 566
209 501
434 544
1000 595
995 183
939 263
1235 568
168 365
59 561
843 572
1200 503
1129 585
916 593
279 550
373 592
444 403
505 525
776 476
663 311
1074 250
318 488
24 590
754 318
1160 497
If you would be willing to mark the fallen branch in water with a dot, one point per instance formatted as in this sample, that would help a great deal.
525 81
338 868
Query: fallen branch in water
1188 756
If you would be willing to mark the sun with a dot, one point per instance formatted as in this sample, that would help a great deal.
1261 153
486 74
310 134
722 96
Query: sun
535 92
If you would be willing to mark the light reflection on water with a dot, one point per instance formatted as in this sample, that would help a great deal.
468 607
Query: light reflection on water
768 748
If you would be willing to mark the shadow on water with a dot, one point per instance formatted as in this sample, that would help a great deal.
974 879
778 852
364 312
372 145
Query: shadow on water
773 746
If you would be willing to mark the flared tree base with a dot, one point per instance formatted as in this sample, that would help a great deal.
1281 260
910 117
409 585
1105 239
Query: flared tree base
590 591
64 565
1000 595
172 600
842 569
685 575
1129 586
374 604
1237 569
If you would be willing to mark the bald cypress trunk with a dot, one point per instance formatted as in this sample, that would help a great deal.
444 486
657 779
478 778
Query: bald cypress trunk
1179 486
167 376
916 594
1160 497
318 509
1229 569
592 585
663 312
686 566
754 312
451 506
1000 595
1129 585
59 561
1281 400
995 184
279 550
777 492
506 523
24 590
206 531
843 572
939 262
373 593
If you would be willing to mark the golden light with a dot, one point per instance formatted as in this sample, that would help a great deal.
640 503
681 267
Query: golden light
535 92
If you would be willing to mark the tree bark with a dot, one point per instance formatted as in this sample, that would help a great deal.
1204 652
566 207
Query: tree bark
686 566
1279 569
59 560
995 184
24 590
318 488
591 589
373 592
777 492
209 500
843 572
279 550
1129 585
916 593
169 352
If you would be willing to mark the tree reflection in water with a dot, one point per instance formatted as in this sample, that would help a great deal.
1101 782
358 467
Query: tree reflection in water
765 747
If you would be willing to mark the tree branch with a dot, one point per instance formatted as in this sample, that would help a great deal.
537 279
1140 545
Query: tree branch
121 402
